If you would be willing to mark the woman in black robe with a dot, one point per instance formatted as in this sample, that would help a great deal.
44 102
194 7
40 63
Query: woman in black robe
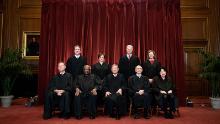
151 69
165 90
101 69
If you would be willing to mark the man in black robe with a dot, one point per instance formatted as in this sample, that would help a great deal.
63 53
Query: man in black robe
86 92
58 93
114 86
165 89
139 92
128 62
75 63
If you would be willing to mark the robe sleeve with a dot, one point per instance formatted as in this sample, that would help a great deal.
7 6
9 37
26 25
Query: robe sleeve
69 84
52 86
155 87
98 85
68 66
146 86
105 84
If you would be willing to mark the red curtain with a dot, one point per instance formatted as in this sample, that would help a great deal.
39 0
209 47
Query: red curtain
108 26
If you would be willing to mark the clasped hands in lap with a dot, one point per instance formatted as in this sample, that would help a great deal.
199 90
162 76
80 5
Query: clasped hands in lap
78 91
59 92
166 93
109 93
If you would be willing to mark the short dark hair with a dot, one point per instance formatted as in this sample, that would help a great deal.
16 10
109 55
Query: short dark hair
101 54
76 46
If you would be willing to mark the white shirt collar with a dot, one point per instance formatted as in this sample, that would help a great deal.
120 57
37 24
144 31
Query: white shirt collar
77 56
115 75
129 55
101 63
139 75
62 73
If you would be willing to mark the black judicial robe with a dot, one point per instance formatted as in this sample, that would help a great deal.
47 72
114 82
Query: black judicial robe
151 70
101 70
113 84
86 83
135 84
165 85
59 82
74 66
127 66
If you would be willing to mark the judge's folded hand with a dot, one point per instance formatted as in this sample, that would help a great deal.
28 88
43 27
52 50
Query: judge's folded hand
170 92
94 92
141 92
107 94
119 91
150 80
78 91
163 92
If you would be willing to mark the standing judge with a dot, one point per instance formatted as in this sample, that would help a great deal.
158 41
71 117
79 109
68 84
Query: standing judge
128 62
58 93
86 92
101 69
151 69
165 89
151 66
114 85
139 92
75 63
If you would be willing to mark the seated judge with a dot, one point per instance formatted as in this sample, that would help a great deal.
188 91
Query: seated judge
86 92
101 69
139 92
58 93
165 93
114 86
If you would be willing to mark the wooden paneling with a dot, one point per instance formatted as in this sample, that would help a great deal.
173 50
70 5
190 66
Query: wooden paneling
29 3
200 30
195 3
194 29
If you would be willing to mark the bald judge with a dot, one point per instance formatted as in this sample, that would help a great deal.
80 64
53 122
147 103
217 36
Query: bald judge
58 93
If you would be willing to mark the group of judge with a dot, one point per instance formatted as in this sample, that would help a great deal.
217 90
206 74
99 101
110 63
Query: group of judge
80 88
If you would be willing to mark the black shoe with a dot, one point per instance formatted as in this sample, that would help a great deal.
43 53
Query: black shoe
91 117
170 116
166 115
146 116
78 117
46 117
136 116
66 117
117 117
112 116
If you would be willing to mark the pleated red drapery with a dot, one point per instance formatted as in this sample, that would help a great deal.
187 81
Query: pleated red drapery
108 26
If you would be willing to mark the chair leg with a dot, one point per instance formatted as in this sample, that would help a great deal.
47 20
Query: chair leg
157 110
130 110
178 113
